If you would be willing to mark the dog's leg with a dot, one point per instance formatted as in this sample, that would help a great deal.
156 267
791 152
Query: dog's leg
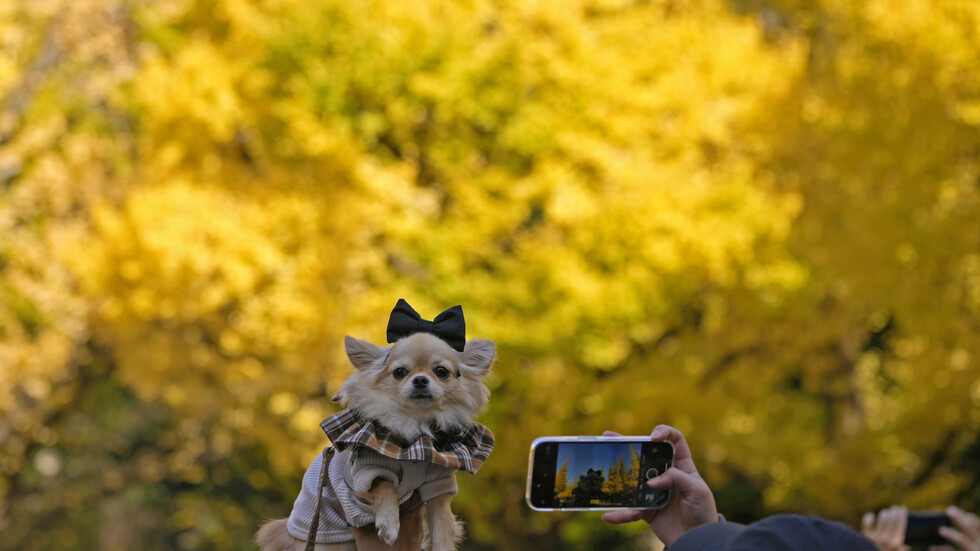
384 501
444 530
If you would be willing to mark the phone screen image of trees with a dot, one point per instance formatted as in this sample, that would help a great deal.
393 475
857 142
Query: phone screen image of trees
597 475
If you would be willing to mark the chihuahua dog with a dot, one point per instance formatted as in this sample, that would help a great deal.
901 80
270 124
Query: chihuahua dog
407 429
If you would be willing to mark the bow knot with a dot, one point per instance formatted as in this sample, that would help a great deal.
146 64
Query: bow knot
448 326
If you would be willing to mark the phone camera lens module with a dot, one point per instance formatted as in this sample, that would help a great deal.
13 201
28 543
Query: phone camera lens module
652 473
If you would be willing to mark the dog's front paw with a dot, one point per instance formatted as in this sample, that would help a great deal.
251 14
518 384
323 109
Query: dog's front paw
387 528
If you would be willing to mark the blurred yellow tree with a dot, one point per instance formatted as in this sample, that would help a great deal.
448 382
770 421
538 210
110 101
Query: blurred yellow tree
616 479
632 475
561 478
755 220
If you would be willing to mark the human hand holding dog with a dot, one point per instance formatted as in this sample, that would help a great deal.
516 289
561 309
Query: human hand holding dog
410 533
691 503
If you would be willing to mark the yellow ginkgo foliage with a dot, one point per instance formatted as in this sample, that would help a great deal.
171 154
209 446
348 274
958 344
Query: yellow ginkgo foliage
753 220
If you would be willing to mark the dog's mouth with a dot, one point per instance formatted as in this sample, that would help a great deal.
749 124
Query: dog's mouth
420 395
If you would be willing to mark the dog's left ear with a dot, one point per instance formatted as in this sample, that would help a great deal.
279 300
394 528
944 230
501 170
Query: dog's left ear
478 355
363 354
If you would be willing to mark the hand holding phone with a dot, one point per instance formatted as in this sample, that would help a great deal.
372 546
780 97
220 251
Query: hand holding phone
896 528
596 473
964 534
691 503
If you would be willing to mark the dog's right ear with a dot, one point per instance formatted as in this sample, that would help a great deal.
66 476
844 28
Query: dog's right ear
363 354
478 355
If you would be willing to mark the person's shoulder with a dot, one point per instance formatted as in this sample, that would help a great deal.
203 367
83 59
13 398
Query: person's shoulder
792 532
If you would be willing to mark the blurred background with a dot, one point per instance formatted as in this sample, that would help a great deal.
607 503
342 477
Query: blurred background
755 220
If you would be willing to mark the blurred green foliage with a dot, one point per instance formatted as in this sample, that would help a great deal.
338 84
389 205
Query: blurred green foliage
755 220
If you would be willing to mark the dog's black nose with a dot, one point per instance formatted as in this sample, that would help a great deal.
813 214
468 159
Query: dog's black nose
420 382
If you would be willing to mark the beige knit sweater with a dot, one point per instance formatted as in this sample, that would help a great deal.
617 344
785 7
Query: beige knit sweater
353 471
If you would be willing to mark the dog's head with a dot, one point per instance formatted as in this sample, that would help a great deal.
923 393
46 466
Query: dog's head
419 384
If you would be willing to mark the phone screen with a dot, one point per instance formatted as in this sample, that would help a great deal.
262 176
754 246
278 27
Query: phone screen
600 474
922 528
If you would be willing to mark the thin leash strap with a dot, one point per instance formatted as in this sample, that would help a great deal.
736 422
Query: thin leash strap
311 537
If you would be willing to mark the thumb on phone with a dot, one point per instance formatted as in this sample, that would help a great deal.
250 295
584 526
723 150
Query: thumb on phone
674 478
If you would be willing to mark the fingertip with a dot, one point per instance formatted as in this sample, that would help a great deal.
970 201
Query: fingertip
611 433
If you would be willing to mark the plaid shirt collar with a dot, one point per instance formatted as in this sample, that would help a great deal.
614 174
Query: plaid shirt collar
466 450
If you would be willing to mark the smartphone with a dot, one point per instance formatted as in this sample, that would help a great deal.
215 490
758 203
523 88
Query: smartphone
596 473
922 528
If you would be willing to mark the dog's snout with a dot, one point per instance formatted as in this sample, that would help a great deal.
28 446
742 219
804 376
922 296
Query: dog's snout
420 382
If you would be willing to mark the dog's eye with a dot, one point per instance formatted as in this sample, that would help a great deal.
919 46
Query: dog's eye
441 371
399 373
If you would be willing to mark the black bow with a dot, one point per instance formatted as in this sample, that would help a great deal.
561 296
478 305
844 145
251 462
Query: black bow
448 326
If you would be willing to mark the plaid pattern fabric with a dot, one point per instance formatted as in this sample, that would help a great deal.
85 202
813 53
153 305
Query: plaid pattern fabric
466 450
